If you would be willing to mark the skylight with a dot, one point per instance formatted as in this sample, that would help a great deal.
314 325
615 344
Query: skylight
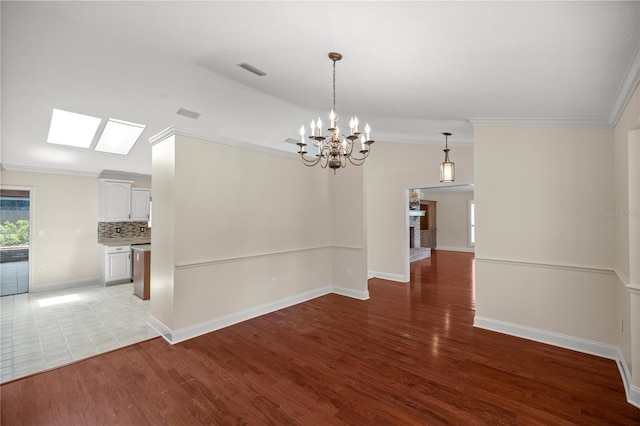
119 136
72 129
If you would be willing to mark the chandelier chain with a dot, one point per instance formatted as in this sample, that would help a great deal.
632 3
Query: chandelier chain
334 85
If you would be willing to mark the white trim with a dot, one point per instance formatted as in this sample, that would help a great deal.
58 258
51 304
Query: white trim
542 122
35 169
631 79
462 249
66 284
211 262
357 248
30 267
556 339
628 85
471 205
186 333
575 268
624 279
349 292
386 276
175 131
568 342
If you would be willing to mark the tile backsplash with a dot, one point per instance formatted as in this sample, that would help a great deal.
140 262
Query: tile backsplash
128 230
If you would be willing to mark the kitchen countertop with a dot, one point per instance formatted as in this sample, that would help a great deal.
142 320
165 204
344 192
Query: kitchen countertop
142 247
111 242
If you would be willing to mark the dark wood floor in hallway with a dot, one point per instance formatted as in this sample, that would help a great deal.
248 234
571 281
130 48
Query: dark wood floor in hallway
409 355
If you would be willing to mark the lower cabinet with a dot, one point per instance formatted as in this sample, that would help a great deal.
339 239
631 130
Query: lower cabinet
115 265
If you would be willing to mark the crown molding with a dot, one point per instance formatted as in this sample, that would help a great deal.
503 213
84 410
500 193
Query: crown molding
35 169
629 83
542 122
176 131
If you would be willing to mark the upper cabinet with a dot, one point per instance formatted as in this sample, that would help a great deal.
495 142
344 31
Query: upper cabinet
115 200
140 204
119 202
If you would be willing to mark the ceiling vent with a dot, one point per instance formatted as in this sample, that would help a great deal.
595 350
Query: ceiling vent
252 69
189 114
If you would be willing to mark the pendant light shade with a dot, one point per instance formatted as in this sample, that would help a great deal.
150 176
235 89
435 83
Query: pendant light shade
447 168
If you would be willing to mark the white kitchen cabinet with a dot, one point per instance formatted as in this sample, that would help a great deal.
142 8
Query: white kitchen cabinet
115 265
114 200
140 204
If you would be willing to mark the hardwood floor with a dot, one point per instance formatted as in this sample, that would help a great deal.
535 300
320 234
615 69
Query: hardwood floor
409 355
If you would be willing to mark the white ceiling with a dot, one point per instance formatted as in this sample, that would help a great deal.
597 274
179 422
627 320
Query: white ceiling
411 69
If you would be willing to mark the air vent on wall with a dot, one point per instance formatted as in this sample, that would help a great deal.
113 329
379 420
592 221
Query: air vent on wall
252 69
189 114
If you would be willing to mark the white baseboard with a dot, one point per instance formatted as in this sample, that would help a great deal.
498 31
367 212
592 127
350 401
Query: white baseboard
360 295
463 249
180 335
65 284
390 277
568 342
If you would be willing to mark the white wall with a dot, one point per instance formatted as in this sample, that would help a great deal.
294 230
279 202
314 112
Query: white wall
64 229
544 244
392 169
240 233
452 220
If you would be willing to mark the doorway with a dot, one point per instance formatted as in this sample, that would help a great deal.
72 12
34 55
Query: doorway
450 231
15 240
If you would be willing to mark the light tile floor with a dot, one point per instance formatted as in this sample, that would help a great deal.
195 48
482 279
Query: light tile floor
14 277
44 330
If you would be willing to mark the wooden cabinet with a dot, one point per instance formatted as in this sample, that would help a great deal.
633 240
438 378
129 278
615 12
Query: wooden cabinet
114 200
428 228
142 271
115 265
140 204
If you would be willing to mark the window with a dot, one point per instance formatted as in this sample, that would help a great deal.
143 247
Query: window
472 223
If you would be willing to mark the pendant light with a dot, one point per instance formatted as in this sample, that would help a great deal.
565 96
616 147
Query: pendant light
447 168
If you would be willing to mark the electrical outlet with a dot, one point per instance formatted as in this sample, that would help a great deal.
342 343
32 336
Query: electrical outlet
118 230
142 229
274 281
348 272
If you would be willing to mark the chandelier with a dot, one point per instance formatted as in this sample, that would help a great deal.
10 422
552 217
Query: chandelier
335 150
447 168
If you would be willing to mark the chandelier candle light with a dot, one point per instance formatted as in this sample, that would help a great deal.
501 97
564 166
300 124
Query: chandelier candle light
335 149
447 168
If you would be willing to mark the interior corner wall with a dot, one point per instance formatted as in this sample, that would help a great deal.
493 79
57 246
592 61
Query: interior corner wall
390 170
625 164
544 240
251 231
64 249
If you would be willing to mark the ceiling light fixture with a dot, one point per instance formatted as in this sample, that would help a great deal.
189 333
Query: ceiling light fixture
447 168
336 149
119 136
72 129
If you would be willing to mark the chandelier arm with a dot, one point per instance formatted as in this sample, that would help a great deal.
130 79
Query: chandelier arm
358 161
